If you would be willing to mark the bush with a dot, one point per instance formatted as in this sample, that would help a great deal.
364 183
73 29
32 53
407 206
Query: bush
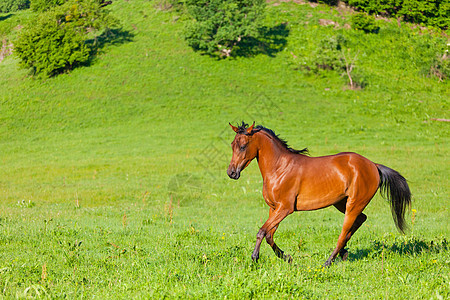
44 5
418 11
442 18
333 54
219 25
427 12
49 48
328 56
7 6
364 22
328 2
56 41
378 7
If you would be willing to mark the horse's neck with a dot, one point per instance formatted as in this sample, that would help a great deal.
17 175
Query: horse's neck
270 155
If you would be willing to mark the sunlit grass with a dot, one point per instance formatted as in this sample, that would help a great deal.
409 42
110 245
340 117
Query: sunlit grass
113 178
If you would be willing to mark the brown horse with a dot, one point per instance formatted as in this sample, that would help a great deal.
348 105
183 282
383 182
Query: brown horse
294 181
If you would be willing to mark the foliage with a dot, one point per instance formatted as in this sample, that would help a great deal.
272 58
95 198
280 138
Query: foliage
328 2
381 7
7 6
49 48
327 56
364 22
426 12
219 25
56 41
332 54
43 5
394 52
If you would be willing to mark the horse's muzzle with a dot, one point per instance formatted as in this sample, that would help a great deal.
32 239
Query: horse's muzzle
233 173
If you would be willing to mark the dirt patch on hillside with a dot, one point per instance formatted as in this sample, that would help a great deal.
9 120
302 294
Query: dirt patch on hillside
6 49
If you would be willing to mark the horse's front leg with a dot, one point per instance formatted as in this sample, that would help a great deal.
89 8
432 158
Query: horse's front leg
275 217
278 252
259 237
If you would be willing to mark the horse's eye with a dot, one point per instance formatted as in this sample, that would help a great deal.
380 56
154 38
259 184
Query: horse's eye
243 147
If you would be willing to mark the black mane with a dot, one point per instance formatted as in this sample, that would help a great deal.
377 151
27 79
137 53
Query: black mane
242 129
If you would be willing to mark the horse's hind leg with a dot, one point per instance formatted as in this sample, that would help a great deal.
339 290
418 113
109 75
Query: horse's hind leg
278 252
354 218
343 253
342 240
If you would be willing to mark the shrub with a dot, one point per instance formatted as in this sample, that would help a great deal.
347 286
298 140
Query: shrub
427 12
56 41
43 5
364 22
442 19
219 25
333 55
7 6
379 7
327 56
418 11
328 2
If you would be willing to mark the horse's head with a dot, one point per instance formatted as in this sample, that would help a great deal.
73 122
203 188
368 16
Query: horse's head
244 150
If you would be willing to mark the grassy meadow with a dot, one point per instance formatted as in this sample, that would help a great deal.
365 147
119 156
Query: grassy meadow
113 178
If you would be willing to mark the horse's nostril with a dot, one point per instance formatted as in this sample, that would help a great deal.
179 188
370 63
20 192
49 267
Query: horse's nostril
233 173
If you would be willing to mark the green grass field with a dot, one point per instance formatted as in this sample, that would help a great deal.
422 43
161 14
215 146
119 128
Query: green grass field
113 178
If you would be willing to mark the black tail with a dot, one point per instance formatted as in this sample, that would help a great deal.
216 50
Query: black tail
394 187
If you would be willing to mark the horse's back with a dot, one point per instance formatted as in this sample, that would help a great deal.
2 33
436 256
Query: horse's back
344 162
356 168
326 180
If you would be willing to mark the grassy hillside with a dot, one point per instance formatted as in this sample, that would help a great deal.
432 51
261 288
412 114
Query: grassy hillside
113 180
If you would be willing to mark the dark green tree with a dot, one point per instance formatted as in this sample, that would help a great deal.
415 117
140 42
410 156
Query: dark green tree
7 6
364 22
43 5
426 12
56 41
219 25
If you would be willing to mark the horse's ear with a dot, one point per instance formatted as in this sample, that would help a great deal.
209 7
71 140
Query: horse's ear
249 130
235 129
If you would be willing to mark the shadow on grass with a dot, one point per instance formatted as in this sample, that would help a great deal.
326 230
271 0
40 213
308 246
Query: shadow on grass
328 2
410 246
2 18
111 37
116 37
270 41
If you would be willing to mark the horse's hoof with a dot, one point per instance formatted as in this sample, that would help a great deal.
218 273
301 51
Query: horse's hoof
288 258
255 258
327 264
344 254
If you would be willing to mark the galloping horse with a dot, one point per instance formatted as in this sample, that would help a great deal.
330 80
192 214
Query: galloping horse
294 181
